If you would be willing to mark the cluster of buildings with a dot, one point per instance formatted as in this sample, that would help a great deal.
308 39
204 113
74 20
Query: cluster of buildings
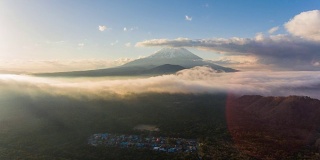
162 144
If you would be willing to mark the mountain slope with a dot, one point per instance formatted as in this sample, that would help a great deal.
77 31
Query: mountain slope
290 110
273 127
164 69
165 61
117 71
120 71
175 56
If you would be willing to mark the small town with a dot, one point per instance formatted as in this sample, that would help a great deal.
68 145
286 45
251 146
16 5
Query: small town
161 144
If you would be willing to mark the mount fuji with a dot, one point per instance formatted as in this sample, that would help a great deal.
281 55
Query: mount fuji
164 61
175 56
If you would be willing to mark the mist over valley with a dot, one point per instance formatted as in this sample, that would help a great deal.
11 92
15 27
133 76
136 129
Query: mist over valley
159 80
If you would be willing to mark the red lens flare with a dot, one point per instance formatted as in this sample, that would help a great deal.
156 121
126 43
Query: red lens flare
272 127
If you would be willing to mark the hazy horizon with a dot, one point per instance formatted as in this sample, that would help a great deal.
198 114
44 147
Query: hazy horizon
238 79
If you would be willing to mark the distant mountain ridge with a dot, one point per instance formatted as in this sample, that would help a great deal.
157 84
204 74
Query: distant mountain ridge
164 61
279 125
289 110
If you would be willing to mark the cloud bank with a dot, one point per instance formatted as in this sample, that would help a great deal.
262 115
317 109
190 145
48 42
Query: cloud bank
298 51
305 25
282 50
196 80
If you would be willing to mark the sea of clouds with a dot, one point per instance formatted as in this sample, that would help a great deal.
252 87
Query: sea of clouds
197 80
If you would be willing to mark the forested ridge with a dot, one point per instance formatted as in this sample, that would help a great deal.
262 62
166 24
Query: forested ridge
58 127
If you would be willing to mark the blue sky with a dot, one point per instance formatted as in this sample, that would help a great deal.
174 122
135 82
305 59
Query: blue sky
59 29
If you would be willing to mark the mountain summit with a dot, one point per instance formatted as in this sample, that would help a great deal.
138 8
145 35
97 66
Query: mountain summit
175 56
164 61
172 53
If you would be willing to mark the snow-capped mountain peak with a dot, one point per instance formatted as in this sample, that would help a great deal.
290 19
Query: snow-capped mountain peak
171 53
174 56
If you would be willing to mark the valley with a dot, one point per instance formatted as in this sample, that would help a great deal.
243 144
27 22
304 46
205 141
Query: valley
39 129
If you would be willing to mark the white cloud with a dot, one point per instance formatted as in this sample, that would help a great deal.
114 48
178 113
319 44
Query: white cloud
128 44
130 29
274 29
236 60
241 62
316 63
80 44
305 25
195 80
188 18
259 37
134 28
103 28
114 43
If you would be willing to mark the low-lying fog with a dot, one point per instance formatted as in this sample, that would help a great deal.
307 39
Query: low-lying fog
195 80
